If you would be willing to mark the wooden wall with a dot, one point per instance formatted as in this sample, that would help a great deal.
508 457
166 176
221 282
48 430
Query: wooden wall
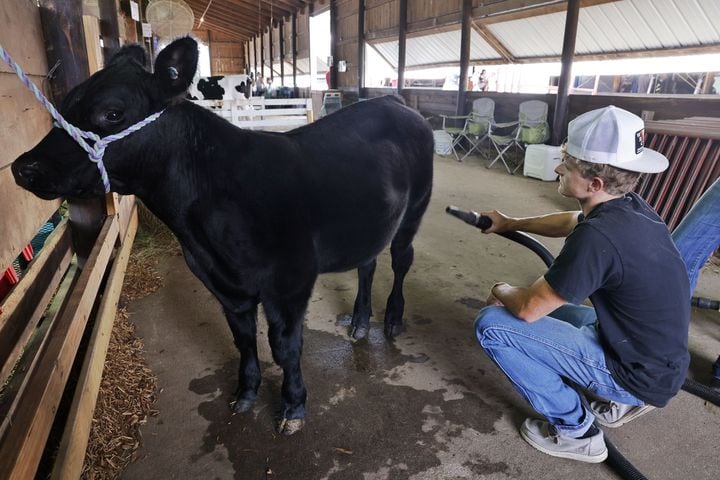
227 55
23 123
347 43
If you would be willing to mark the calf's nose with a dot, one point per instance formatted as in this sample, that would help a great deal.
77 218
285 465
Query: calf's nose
25 171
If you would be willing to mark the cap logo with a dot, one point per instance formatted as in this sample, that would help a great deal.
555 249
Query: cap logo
639 141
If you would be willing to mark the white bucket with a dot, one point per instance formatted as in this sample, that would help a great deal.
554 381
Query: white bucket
443 142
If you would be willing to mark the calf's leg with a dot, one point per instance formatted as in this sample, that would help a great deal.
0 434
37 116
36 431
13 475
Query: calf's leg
285 321
244 329
362 310
402 253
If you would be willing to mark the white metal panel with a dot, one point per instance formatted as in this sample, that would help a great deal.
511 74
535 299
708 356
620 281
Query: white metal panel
623 26
436 48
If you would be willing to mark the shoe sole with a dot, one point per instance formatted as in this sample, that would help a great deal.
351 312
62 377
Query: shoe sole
570 456
627 418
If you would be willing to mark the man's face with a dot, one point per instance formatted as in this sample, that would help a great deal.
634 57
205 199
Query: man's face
572 183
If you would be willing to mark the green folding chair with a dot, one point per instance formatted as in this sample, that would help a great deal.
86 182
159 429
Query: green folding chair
478 124
530 128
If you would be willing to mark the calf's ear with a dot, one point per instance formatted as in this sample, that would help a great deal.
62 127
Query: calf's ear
175 66
133 52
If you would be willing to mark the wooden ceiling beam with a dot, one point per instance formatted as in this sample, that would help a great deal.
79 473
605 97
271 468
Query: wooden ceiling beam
519 9
227 18
493 41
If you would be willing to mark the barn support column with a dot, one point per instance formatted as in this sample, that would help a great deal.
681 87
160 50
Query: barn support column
294 52
333 44
361 48
65 43
281 29
568 52
109 26
402 41
464 56
270 49
262 54
254 42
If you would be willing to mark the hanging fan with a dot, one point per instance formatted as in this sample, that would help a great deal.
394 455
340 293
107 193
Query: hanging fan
169 18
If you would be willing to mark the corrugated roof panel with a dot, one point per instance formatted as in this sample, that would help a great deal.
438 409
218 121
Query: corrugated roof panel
622 26
627 25
436 48
480 49
531 37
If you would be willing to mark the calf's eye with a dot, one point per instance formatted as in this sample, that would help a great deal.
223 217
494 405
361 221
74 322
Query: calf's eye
114 116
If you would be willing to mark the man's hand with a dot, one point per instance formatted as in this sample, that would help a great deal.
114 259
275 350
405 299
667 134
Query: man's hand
492 300
500 222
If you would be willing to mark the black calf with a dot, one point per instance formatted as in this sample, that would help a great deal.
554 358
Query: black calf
259 215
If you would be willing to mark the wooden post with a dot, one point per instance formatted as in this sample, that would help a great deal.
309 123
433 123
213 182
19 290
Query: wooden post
361 48
402 40
262 54
708 82
65 42
254 40
333 44
464 56
294 51
281 29
568 52
109 26
270 49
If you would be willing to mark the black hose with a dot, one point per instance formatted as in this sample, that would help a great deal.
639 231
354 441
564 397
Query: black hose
701 302
701 390
482 222
620 464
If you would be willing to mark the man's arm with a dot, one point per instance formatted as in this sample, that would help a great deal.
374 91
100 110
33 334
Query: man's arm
527 303
558 224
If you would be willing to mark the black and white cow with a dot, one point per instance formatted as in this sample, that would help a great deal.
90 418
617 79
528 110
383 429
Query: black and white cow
220 87
259 215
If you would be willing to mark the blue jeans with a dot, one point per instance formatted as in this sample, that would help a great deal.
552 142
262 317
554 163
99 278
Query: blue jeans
540 358
698 235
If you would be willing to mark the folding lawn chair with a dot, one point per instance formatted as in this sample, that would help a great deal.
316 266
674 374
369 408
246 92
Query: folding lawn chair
532 128
479 122
456 126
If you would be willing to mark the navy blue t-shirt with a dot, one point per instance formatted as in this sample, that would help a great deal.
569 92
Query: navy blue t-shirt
622 256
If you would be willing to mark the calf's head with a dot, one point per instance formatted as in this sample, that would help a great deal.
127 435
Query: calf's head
108 102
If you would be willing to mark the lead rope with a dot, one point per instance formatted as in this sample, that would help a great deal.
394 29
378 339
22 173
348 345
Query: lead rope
97 151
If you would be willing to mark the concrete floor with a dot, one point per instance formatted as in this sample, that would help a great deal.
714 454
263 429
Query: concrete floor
429 405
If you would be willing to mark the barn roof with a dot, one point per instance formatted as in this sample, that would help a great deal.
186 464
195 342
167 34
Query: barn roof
616 29
511 31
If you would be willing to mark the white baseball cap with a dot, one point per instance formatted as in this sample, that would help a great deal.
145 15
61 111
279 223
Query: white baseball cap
613 136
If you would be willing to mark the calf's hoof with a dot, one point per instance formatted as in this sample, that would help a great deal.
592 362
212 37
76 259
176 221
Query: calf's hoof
243 403
359 332
393 330
289 426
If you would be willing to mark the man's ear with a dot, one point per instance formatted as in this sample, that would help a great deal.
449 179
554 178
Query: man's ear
175 66
596 184
133 52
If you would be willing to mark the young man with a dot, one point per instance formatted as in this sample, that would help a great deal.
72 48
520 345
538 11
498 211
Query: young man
631 348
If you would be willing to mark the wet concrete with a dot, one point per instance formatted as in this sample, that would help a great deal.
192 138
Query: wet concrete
428 405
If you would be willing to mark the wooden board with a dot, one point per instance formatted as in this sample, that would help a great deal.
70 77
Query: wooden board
21 310
24 121
71 453
21 36
22 446
21 215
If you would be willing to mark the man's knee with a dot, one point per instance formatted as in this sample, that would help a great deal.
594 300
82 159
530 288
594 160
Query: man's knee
488 318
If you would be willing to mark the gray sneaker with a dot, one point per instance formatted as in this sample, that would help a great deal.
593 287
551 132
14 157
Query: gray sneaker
543 436
613 414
